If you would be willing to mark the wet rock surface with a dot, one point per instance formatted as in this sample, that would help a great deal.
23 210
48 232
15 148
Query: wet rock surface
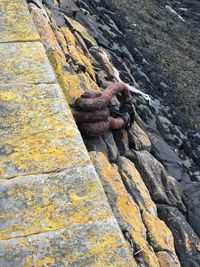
156 162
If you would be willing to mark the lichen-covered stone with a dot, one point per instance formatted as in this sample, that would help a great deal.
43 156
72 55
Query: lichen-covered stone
138 138
162 187
54 200
125 210
46 33
16 23
24 63
82 31
135 185
186 241
161 239
66 57
158 234
81 60
90 244
38 131
69 37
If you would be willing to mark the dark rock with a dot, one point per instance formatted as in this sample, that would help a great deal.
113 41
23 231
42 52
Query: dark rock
56 13
141 77
163 152
92 28
164 189
192 191
187 243
111 146
68 7
146 115
171 133
121 139
96 144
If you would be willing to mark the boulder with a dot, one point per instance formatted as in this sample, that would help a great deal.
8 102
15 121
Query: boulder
135 185
187 243
147 116
161 239
138 139
164 153
192 191
162 187
125 210
111 146
171 133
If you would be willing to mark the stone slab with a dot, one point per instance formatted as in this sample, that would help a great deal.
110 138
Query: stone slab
24 63
51 202
16 23
42 153
37 131
92 244
28 109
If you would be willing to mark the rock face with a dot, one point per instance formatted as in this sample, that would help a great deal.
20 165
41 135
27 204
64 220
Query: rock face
173 70
139 206
186 240
148 236
163 188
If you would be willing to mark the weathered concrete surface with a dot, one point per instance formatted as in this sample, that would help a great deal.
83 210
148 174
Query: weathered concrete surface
53 210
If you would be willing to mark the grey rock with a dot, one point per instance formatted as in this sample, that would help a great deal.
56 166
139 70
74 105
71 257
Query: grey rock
92 28
138 138
111 146
186 240
163 152
68 7
171 133
96 144
162 187
192 191
56 13
147 116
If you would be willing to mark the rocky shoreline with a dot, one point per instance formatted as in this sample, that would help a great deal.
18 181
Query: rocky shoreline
156 163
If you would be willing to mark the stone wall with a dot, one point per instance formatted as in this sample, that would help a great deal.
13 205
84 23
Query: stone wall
123 203
53 209
144 175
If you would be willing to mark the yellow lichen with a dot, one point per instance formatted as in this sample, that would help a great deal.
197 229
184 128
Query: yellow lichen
69 37
124 207
188 244
44 262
